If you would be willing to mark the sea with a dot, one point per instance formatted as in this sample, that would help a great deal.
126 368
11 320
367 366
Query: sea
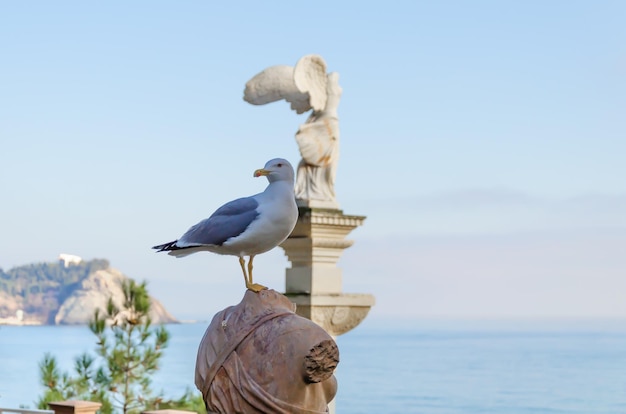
397 366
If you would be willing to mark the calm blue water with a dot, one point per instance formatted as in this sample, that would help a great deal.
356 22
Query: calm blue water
399 367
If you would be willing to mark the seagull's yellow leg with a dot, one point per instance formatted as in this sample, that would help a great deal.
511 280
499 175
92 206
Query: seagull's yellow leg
242 263
250 269
255 287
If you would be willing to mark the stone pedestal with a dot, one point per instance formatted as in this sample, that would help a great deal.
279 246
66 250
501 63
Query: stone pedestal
336 313
314 282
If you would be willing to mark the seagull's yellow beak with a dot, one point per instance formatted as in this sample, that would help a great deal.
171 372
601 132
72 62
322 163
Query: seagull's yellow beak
261 172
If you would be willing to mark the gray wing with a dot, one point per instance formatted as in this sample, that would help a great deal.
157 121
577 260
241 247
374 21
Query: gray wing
228 221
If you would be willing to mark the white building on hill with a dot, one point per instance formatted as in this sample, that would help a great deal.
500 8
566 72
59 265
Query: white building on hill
69 259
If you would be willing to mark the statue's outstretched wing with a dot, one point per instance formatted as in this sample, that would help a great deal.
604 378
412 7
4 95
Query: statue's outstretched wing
303 86
276 83
310 77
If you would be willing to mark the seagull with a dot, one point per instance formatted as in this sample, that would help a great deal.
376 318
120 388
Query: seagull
246 226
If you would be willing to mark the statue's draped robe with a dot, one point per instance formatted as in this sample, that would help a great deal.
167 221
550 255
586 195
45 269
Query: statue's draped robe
318 140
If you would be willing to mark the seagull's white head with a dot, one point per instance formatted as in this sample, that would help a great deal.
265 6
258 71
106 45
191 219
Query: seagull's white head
278 169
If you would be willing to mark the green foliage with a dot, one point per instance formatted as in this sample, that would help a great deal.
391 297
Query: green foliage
129 349
134 352
190 401
62 387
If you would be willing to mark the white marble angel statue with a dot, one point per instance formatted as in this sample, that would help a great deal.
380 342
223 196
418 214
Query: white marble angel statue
307 87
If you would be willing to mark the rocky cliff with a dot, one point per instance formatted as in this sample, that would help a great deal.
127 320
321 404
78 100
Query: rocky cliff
94 292
47 294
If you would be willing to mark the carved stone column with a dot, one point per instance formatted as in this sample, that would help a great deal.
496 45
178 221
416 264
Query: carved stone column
314 282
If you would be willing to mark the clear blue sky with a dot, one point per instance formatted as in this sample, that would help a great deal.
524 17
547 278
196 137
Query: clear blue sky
485 141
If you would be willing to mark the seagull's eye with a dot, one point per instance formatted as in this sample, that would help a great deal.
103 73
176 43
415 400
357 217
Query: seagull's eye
280 164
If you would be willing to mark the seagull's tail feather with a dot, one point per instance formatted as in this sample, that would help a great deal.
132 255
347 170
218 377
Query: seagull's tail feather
178 251
166 247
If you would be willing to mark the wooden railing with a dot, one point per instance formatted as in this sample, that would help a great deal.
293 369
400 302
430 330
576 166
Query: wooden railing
21 411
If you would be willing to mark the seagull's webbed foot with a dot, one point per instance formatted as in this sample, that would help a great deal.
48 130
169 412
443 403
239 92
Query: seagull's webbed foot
255 287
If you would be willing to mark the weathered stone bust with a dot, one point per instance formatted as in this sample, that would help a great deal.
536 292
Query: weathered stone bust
260 357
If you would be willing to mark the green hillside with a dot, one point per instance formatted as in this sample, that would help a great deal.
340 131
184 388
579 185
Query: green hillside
40 288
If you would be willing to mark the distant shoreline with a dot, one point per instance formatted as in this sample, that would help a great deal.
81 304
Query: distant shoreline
13 321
